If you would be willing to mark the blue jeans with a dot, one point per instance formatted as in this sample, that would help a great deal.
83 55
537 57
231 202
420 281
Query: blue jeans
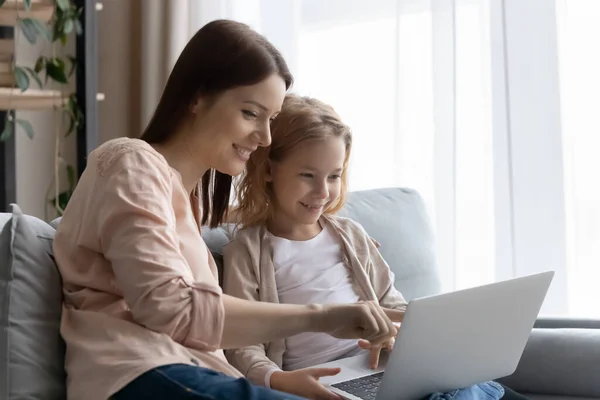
482 391
187 382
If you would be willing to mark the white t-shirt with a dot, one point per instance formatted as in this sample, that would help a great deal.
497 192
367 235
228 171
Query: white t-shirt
311 272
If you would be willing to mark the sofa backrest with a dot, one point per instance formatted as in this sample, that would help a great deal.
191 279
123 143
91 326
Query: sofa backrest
397 219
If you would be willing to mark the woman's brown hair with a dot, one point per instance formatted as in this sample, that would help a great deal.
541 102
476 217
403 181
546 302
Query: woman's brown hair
222 55
301 119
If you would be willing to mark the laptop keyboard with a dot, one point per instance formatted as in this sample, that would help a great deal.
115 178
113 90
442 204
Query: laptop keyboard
364 387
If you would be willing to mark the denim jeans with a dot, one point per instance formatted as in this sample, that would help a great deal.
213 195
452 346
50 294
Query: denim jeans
482 391
188 382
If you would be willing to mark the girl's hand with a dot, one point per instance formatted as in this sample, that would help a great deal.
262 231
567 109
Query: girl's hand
305 383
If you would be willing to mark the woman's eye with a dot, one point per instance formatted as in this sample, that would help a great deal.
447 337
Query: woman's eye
306 175
249 114
335 177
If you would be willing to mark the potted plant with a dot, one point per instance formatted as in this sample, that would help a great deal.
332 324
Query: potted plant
28 87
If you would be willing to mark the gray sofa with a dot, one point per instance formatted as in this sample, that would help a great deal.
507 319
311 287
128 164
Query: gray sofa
561 359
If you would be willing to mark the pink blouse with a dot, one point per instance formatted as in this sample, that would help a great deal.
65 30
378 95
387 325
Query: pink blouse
140 286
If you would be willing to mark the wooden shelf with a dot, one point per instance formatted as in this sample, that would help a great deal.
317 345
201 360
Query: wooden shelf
11 10
31 99
7 49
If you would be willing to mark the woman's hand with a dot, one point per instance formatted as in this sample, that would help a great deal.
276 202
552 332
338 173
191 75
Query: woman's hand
305 383
375 350
364 320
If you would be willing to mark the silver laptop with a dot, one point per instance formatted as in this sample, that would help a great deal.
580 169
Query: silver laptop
449 341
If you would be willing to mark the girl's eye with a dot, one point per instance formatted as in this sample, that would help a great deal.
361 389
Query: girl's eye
335 177
306 175
249 114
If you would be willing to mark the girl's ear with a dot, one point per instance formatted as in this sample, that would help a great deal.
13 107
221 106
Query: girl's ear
268 173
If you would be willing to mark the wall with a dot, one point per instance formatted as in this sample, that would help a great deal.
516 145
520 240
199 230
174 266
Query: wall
118 73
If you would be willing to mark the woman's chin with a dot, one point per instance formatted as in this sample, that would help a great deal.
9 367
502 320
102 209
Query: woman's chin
234 168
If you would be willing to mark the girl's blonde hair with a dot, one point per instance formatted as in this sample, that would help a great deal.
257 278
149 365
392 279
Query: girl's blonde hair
301 119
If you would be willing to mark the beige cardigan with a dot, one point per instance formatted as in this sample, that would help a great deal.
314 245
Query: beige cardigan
249 274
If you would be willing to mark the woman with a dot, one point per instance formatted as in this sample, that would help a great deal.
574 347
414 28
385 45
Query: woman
143 315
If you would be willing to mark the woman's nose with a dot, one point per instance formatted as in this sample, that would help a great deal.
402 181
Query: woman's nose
264 136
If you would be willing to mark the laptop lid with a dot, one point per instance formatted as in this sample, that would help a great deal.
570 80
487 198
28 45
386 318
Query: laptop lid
461 338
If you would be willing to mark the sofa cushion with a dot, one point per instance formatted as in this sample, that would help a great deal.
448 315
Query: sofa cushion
554 397
397 219
31 348
216 239
4 218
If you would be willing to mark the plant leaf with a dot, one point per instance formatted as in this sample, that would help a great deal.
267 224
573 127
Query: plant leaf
35 76
29 29
55 71
27 127
59 62
73 61
72 103
71 121
78 27
2 2
71 176
63 39
39 64
74 114
8 130
27 4
42 29
63 200
22 79
63 4
57 28
68 26
77 112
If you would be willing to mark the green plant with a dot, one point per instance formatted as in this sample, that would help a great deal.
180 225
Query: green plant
56 69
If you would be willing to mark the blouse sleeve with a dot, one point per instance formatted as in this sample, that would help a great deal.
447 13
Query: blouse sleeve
136 230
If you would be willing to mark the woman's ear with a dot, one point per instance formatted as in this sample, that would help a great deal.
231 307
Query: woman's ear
198 104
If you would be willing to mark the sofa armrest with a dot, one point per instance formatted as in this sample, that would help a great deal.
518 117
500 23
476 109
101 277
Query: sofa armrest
562 362
575 323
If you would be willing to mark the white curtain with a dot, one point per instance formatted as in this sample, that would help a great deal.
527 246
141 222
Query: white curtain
487 107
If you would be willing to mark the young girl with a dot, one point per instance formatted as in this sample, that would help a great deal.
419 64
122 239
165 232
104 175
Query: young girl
292 248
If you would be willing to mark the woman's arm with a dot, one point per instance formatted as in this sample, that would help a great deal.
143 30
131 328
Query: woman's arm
137 235
251 322
136 230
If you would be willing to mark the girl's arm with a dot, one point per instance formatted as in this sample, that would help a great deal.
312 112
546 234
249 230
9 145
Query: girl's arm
382 278
240 280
